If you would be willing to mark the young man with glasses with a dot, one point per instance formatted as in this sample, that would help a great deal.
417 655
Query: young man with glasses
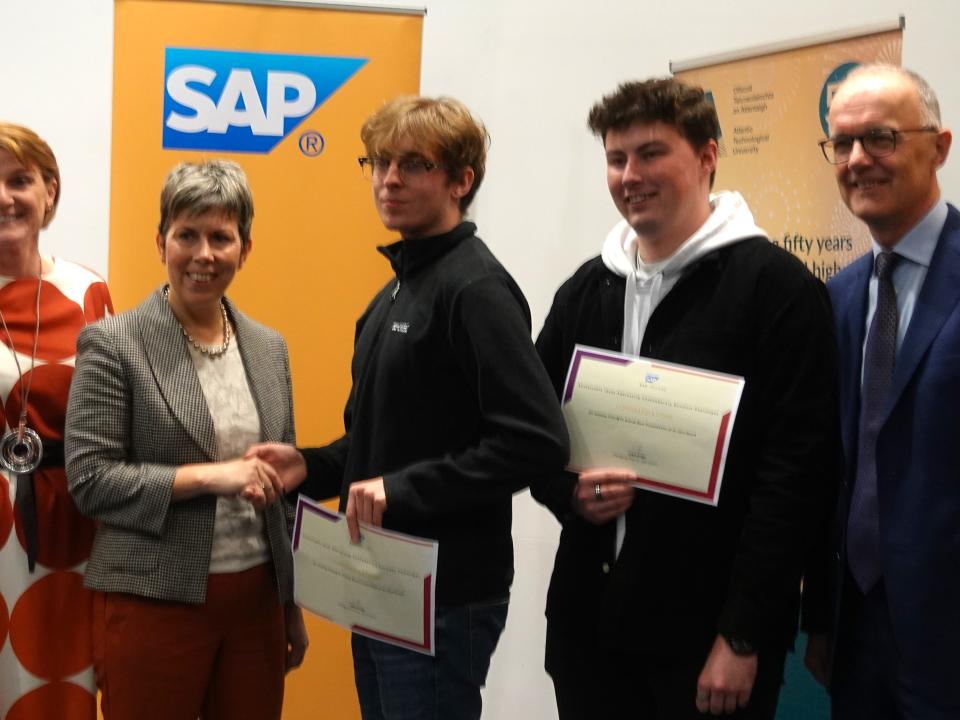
661 607
895 620
450 412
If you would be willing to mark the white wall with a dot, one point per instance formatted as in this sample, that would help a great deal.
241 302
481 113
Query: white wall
530 69
56 75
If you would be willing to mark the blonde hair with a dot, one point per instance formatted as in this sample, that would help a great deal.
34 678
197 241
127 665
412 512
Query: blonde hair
442 125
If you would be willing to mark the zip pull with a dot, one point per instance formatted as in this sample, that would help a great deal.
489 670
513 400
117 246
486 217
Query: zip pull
396 291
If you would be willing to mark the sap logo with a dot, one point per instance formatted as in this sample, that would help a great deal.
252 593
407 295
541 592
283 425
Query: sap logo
244 101
651 378
229 110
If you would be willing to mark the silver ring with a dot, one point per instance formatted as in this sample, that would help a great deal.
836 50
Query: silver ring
596 492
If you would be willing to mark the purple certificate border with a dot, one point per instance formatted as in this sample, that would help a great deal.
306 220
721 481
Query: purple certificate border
583 351
426 646
712 493
305 504
710 496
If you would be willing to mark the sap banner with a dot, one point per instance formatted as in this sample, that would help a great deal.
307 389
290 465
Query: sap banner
281 89
773 103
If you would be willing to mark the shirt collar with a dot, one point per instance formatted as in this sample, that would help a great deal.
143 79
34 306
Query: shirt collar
918 244
409 256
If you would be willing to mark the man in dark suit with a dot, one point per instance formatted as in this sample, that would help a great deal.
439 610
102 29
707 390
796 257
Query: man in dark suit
896 611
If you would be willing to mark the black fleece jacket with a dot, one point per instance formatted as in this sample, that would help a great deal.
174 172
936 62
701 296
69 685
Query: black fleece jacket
451 405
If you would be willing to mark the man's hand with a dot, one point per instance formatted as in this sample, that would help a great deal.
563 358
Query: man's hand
286 460
817 657
726 681
366 503
250 478
613 499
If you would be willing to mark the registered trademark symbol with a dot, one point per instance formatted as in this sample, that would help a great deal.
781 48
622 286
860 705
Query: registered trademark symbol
311 143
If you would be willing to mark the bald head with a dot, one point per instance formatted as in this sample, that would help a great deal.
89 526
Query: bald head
877 72
894 185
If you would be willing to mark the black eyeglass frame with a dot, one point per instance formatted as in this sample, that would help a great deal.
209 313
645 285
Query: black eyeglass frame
866 140
404 166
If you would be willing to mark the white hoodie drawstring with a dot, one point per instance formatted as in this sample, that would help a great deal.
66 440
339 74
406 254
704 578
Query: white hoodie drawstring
648 283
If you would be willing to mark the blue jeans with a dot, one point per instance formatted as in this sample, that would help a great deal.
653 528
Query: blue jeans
394 683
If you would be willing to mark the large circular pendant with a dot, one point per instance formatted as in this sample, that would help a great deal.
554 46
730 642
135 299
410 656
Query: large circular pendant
21 452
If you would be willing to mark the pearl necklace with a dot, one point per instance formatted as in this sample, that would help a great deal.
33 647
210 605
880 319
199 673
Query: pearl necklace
211 350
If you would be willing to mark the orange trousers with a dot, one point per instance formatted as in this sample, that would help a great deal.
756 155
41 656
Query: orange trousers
161 660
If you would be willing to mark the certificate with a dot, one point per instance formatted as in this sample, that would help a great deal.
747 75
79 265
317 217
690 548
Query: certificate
382 587
670 424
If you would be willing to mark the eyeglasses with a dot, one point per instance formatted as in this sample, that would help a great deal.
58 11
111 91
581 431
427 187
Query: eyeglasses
876 143
408 167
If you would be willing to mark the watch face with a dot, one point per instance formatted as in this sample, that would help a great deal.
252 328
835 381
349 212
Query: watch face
741 646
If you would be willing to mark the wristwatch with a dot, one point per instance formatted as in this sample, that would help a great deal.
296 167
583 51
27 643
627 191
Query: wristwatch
740 646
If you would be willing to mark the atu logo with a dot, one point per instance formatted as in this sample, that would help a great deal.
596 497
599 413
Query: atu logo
243 101
830 85
721 145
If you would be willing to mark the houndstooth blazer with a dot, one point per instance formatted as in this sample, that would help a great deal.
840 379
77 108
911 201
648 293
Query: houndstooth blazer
137 412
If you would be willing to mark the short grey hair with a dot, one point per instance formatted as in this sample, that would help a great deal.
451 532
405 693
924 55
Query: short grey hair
929 105
194 189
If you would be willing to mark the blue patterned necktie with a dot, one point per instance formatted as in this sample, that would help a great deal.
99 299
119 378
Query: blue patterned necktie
863 527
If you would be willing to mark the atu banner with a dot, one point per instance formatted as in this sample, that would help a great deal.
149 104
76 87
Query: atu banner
282 89
773 103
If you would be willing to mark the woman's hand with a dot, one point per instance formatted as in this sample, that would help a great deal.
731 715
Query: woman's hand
286 460
261 484
250 478
297 639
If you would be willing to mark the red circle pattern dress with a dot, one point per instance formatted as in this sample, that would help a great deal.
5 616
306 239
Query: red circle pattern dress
46 616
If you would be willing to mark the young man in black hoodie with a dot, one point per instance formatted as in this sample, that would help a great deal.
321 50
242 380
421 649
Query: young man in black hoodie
660 607
450 413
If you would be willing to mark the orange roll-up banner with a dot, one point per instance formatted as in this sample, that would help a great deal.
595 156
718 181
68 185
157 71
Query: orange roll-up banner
773 103
283 90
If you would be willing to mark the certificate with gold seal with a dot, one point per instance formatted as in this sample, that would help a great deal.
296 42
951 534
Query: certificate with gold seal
383 587
670 424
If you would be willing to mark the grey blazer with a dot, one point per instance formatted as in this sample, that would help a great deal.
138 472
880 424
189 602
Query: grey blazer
137 412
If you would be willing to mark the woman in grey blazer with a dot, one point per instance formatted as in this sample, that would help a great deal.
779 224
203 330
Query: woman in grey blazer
192 557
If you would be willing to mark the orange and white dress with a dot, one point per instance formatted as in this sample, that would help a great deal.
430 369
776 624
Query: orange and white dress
46 666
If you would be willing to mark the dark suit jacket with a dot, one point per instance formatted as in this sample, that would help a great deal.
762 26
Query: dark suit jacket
136 413
918 461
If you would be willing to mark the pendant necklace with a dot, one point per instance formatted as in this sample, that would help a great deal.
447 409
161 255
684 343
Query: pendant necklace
21 450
